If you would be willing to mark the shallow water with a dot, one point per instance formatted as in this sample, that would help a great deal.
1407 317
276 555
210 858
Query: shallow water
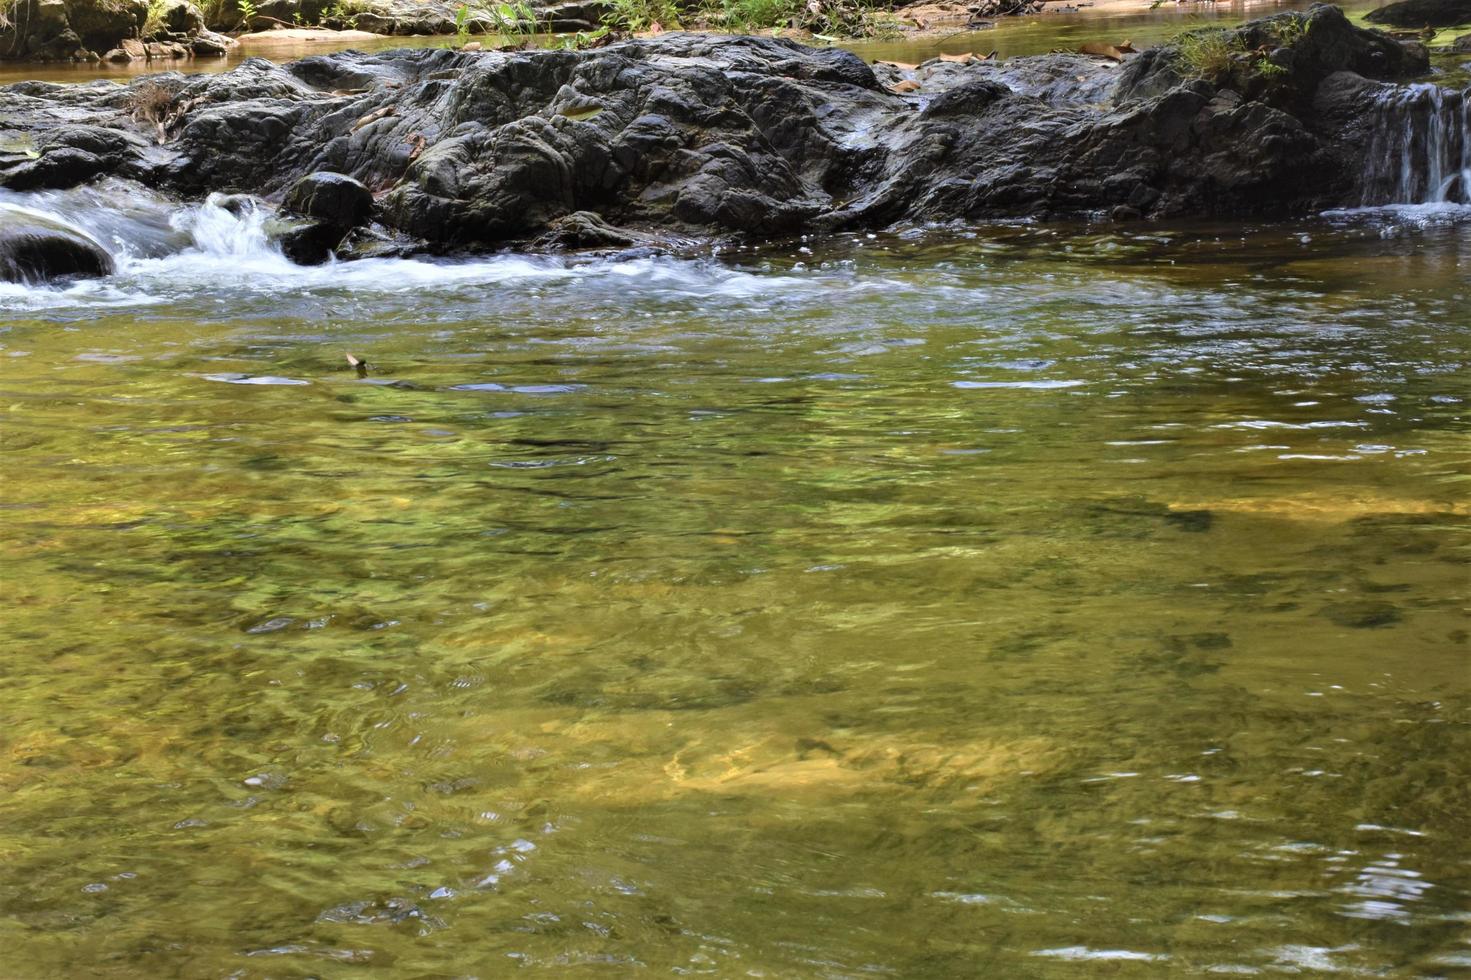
1006 601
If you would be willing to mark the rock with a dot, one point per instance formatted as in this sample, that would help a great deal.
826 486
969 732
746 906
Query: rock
35 248
305 242
102 23
333 198
703 135
74 29
182 17
210 44
1422 13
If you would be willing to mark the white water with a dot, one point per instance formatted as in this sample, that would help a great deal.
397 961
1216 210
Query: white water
1421 149
209 252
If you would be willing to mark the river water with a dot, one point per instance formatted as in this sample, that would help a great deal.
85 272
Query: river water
1019 601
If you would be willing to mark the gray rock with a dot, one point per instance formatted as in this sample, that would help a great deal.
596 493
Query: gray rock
304 241
35 248
333 198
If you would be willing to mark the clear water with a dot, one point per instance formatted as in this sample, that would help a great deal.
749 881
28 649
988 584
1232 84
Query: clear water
1034 601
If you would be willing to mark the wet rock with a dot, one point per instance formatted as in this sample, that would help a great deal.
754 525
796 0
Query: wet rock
333 198
712 135
584 229
304 241
35 248
1422 13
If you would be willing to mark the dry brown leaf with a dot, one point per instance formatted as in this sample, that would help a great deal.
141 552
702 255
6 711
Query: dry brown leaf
1101 49
372 117
902 66
908 85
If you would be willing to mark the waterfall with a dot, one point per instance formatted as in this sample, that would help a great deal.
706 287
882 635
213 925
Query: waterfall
1420 151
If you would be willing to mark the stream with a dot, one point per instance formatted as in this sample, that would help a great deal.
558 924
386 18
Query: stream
1015 600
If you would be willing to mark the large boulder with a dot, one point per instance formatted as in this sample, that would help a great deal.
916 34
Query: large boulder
102 23
1422 13
36 248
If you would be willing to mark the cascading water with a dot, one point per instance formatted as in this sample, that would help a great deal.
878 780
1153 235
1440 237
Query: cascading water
1421 149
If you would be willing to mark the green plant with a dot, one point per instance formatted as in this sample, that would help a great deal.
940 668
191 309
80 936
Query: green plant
640 15
1288 29
516 20
153 23
248 12
1210 53
583 40
462 24
344 12
5 8
825 19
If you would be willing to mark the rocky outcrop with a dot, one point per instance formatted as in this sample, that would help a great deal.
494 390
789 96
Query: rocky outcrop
711 135
1422 13
36 248
106 30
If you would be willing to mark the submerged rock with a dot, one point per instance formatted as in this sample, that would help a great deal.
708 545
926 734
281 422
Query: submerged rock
37 248
712 135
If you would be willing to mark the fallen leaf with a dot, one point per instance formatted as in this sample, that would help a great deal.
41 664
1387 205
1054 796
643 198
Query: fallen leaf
897 64
1100 49
372 117
358 364
908 85
582 113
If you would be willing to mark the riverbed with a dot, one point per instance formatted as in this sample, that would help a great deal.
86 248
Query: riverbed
987 600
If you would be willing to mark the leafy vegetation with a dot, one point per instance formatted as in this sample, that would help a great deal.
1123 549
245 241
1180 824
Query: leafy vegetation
640 15
154 22
1209 54
823 18
1222 56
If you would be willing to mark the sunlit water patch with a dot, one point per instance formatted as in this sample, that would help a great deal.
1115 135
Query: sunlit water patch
1017 600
